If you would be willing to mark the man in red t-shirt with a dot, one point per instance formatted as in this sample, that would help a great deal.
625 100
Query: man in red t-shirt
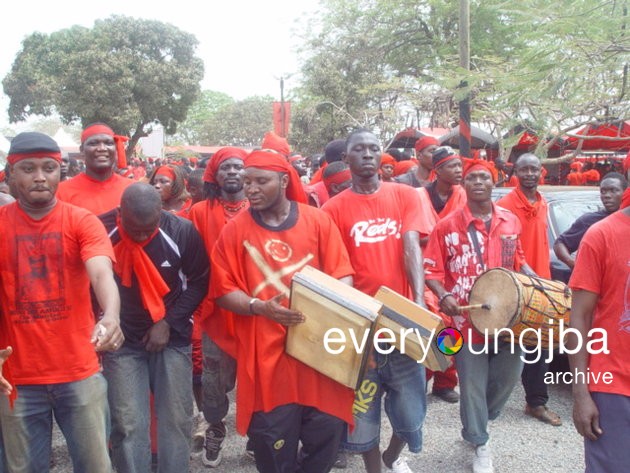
99 188
50 254
600 309
380 225
462 246
223 187
279 401
531 209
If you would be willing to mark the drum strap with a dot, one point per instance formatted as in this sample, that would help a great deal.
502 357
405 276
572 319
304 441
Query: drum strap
472 235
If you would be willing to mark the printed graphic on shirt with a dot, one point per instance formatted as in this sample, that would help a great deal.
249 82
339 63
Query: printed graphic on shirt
624 321
375 230
281 252
39 278
463 262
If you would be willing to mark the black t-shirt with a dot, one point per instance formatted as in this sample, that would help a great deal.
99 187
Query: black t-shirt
572 237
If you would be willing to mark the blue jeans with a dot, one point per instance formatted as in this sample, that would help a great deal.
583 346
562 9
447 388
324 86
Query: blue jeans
80 409
132 373
403 381
486 381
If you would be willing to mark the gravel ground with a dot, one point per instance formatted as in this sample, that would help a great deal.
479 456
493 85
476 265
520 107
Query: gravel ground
520 444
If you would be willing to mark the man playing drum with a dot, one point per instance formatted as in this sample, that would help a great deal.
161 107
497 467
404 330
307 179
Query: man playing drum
531 209
462 246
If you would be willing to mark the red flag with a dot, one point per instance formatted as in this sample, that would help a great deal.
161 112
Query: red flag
281 118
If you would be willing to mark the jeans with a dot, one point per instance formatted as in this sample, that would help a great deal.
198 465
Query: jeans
403 381
486 381
131 374
218 379
80 409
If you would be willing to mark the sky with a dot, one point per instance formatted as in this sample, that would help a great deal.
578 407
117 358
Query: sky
246 45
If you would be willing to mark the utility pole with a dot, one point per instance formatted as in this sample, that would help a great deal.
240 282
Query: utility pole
464 62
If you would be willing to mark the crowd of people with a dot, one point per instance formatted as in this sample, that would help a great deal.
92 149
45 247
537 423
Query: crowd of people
134 294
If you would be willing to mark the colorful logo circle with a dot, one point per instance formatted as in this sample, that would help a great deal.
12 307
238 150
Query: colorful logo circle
450 341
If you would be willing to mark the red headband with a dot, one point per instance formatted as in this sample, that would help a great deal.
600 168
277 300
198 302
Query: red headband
387 159
276 143
218 158
401 167
425 141
445 159
270 161
102 129
15 157
338 178
472 165
165 171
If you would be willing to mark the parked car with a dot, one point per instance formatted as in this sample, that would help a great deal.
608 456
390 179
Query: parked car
566 204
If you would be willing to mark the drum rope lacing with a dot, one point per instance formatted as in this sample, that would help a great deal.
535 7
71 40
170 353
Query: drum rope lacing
536 284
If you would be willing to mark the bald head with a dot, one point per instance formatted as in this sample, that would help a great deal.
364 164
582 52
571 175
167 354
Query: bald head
528 170
140 211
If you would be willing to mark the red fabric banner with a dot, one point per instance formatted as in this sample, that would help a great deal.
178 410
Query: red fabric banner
281 118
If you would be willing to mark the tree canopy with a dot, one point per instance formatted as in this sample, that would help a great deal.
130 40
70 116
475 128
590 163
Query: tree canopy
389 63
126 72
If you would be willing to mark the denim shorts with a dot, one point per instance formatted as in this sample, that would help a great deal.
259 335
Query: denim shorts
403 381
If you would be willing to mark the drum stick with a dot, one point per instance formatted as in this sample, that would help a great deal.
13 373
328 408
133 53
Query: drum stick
474 306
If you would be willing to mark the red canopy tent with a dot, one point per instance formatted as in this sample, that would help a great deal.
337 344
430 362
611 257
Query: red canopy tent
619 130
408 137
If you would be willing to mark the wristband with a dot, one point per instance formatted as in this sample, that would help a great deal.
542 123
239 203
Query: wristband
444 296
251 305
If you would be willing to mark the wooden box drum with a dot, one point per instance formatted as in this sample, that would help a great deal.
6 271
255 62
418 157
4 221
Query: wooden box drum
328 303
518 302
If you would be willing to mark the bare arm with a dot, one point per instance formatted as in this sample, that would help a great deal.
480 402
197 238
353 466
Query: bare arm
414 265
562 252
5 386
448 303
107 334
585 412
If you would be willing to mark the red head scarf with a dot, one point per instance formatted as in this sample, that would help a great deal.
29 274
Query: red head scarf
401 167
102 129
166 171
337 178
577 166
218 158
471 165
425 141
276 143
626 163
270 161
387 159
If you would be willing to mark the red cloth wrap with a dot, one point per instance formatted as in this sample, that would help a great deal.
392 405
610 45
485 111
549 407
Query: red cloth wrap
102 129
15 157
218 158
387 159
401 167
477 165
276 143
270 161
166 171
446 159
338 178
425 141
131 258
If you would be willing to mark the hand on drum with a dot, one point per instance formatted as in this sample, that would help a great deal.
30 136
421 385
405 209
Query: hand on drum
449 306
273 310
586 417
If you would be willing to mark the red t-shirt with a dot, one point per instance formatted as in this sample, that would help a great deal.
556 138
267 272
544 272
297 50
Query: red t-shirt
429 216
450 256
260 261
96 196
46 309
602 266
372 227
575 179
534 239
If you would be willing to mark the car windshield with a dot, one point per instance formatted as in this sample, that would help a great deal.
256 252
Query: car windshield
564 213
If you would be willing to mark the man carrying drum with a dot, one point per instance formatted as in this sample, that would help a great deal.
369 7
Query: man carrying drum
461 247
531 209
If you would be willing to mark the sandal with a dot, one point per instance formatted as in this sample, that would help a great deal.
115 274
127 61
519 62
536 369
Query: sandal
544 415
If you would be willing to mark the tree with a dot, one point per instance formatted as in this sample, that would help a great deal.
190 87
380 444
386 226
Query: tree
126 72
554 65
194 129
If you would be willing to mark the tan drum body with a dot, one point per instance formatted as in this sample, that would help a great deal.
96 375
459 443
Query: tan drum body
519 302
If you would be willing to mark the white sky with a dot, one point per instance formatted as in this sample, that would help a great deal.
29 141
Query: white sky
246 45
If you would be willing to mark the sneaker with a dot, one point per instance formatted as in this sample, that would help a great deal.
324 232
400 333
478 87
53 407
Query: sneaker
200 425
400 466
215 434
483 460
